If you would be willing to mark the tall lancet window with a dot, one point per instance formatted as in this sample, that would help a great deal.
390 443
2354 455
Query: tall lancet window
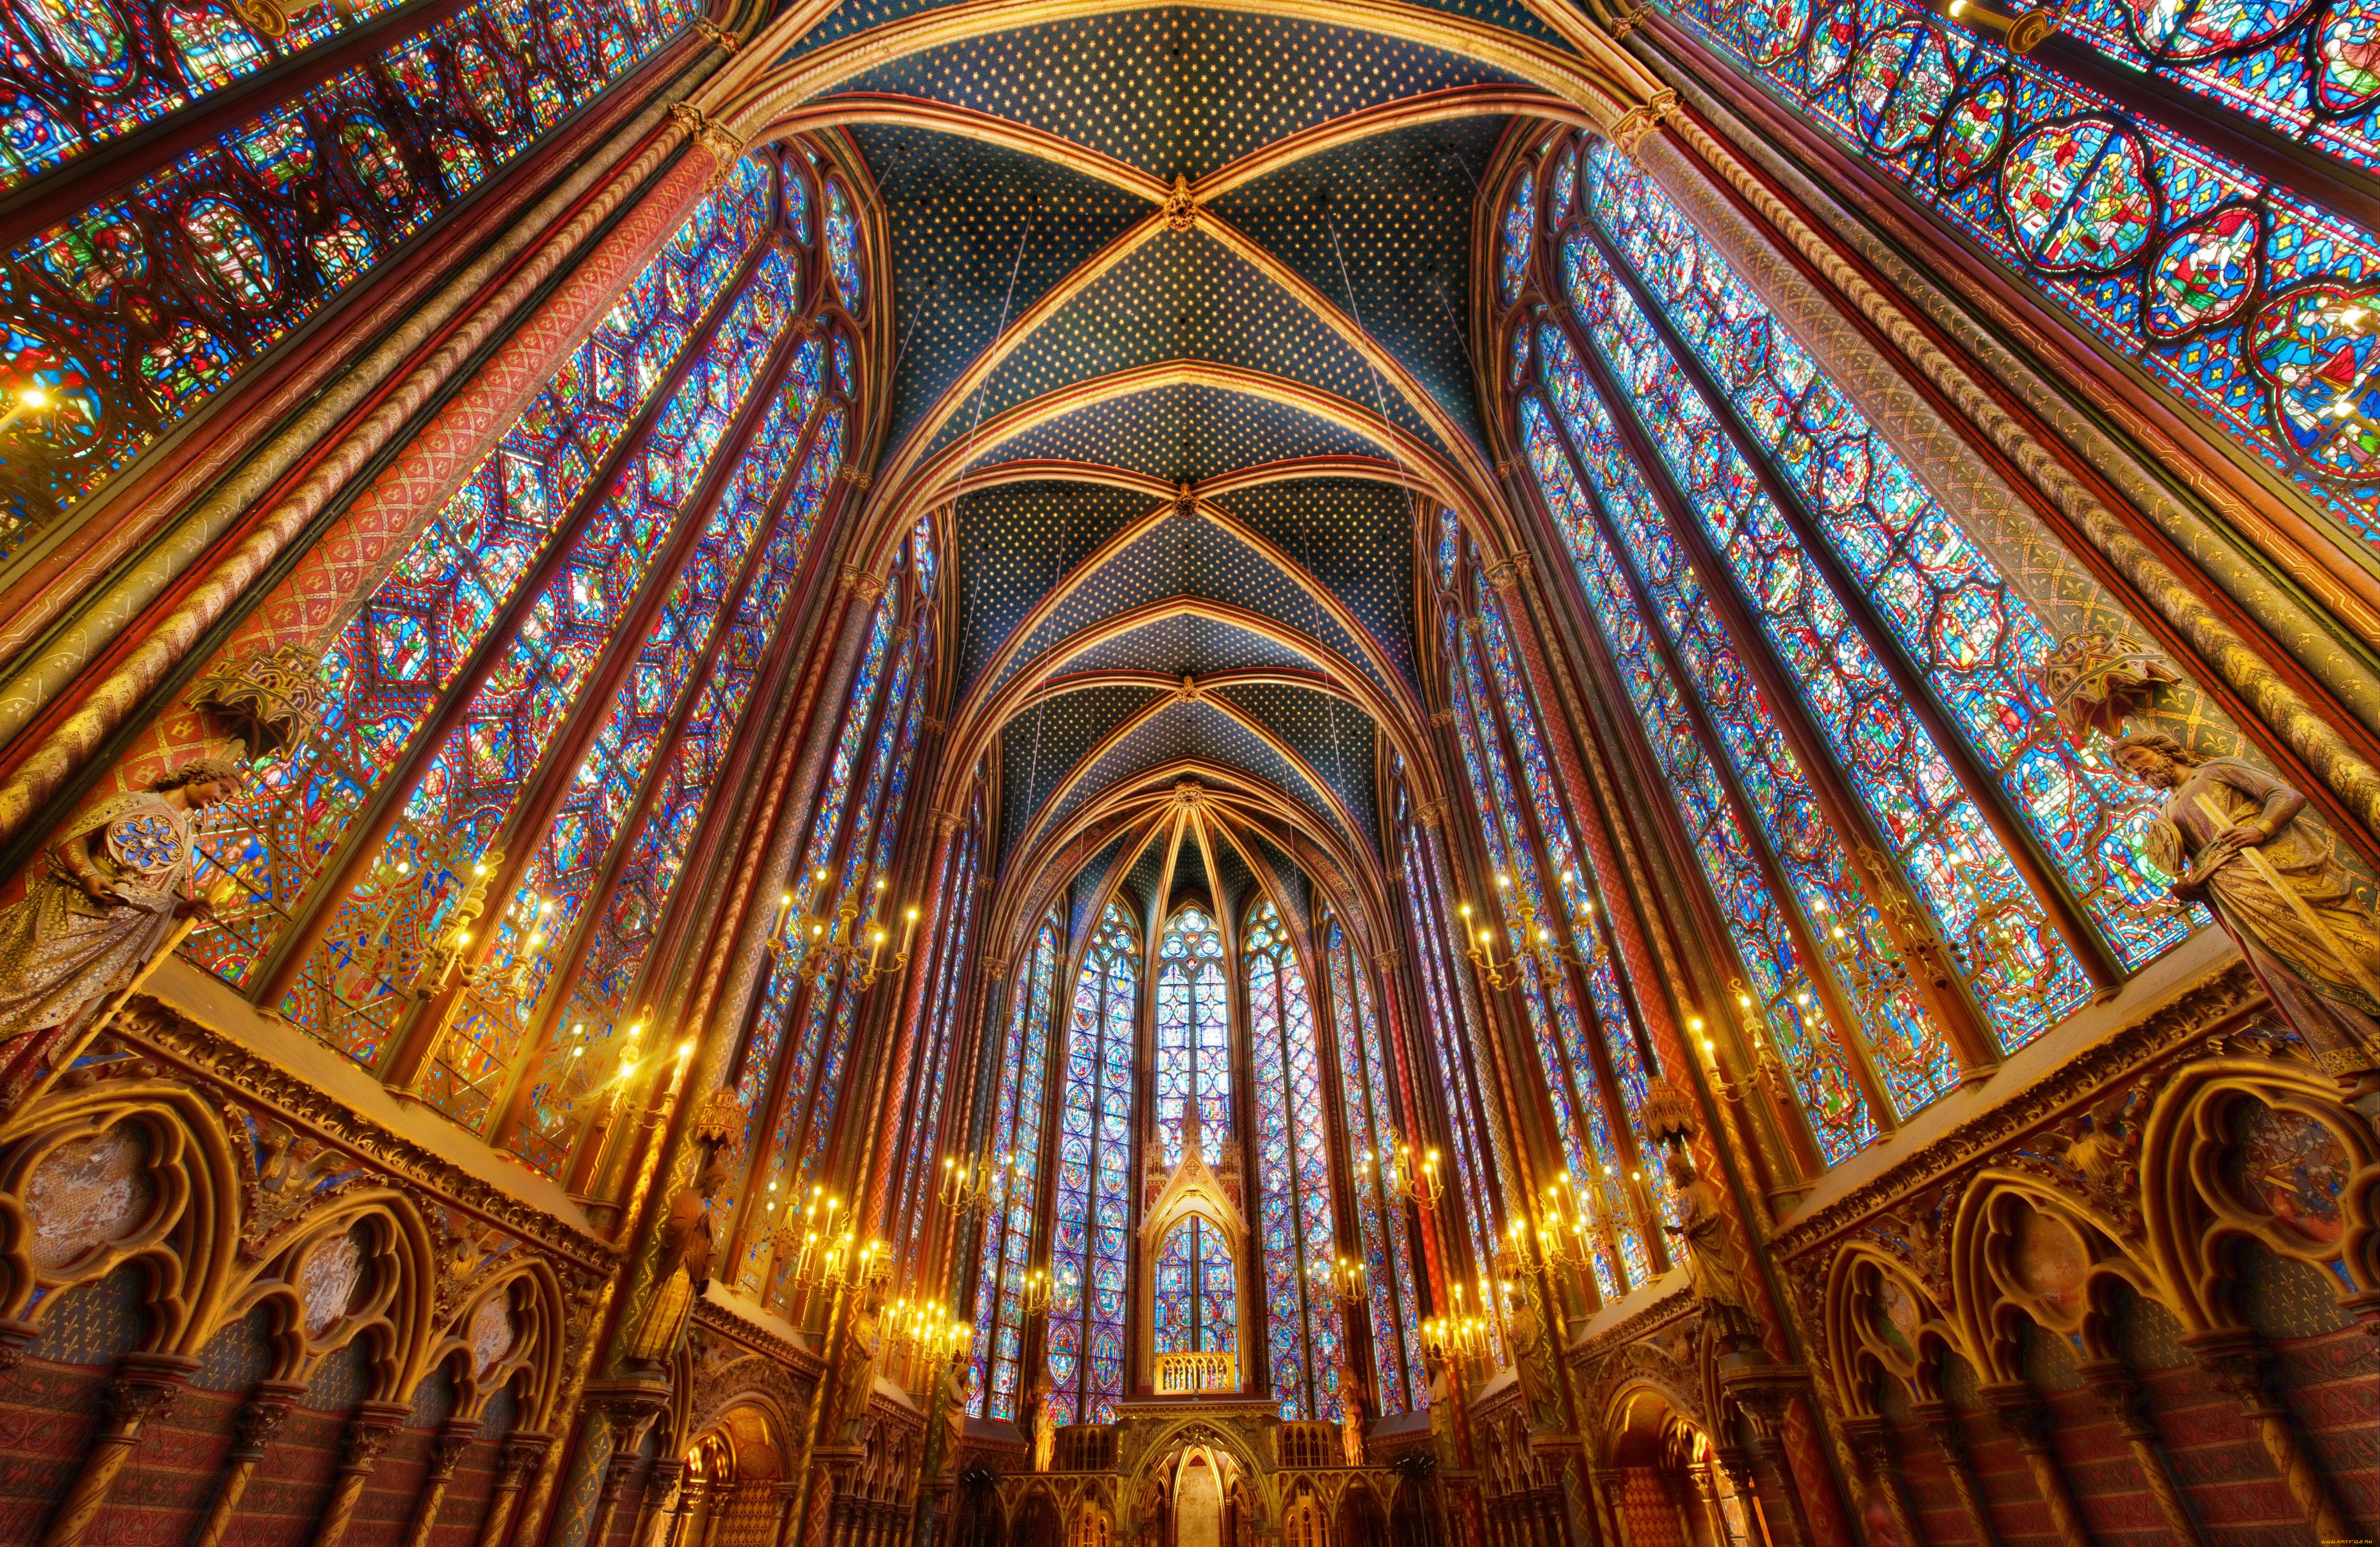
1194 1034
1838 681
1093 1219
1196 1306
1293 1164
1543 897
1369 1101
1450 992
1000 1381
2150 223
212 241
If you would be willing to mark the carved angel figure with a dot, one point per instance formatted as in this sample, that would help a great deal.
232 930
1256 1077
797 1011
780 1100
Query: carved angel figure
2236 839
113 885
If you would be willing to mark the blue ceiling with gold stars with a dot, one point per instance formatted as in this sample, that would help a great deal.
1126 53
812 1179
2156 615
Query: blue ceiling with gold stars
1284 359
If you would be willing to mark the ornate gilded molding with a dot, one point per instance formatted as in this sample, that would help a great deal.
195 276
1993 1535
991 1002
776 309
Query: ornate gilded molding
155 1027
1181 210
2206 1009
269 701
718 36
725 145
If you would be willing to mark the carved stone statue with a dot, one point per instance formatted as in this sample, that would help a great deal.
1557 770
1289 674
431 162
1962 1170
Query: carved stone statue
1351 1415
854 1380
1534 1354
954 1405
2237 838
113 887
1442 1405
683 1270
1712 1269
1045 1422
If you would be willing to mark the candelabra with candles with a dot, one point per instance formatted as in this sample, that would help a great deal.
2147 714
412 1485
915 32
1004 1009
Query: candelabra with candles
1540 960
925 1336
970 1185
1346 1279
1403 1177
831 941
1034 1293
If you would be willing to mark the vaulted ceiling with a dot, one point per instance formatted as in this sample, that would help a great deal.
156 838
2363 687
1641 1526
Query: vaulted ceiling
1182 339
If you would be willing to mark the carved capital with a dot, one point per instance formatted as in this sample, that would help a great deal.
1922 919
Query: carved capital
1388 960
2023 1413
868 588
261 1416
128 1400
1870 1442
518 1457
2120 1396
708 133
1432 813
2239 1364
717 35
369 1433
449 1445
948 823
1507 572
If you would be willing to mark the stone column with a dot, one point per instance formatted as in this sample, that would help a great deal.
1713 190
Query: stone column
1942 1427
143 1387
657 1508
2026 1418
1870 1445
693 1504
447 1448
369 1433
259 1418
789 1495
516 1458
2124 1400
1736 1462
2236 1360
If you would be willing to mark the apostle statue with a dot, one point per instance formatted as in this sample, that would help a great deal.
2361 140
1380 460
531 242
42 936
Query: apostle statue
1351 1414
2237 839
1712 1269
110 895
1045 1422
855 1370
687 1249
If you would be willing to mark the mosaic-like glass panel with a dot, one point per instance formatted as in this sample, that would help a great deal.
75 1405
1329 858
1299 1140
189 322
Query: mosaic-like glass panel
1000 1381
140 309
1905 1043
1292 1166
1196 1306
843 247
1776 1000
1519 234
1370 1111
440 609
1974 635
1890 760
1193 1034
2242 298
1093 1219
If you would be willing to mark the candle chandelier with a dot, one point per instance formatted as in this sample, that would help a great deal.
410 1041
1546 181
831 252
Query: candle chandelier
1541 960
820 1257
1403 1176
983 1184
1347 1280
831 942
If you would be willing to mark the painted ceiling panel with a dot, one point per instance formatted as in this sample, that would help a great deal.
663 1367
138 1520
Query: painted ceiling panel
1227 741
1195 558
1184 295
1190 874
1333 736
1188 647
1161 740
1184 434
961 211
1018 540
1356 536
1176 89
1146 872
1381 228
1289 883
1091 884
1232 876
1040 746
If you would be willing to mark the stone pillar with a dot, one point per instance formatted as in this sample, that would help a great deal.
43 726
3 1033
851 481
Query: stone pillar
2125 1401
447 1448
1767 1402
369 1433
1870 1445
2026 1417
693 1508
516 1458
1604 1485
2236 1360
789 1495
259 1419
657 1508
143 1387
1736 1462
1942 1427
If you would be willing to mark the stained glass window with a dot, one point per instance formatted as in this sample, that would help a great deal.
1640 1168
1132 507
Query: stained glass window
1583 1120
1371 1108
2227 288
1292 1166
457 602
1453 1020
1093 1219
1193 1036
1975 636
930 1118
1520 232
999 1380
153 335
1195 1310
843 246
